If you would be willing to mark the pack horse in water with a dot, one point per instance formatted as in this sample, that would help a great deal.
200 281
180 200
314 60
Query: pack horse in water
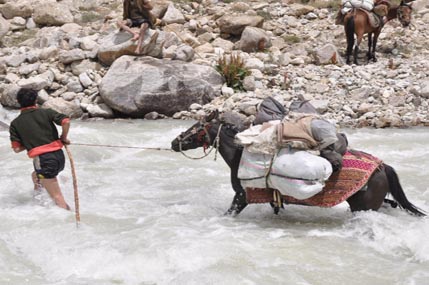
213 131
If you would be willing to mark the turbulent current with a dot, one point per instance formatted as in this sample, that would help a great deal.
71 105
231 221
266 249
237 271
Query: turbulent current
156 217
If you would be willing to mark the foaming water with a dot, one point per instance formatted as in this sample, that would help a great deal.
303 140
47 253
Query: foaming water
155 217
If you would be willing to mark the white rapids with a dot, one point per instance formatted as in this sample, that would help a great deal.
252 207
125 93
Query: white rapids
156 217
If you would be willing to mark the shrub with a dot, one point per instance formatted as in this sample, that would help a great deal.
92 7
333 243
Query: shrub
233 70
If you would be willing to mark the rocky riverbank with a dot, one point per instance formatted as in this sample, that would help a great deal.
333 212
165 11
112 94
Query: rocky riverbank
71 51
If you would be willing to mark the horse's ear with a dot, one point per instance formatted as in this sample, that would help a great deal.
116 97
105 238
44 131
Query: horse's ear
213 115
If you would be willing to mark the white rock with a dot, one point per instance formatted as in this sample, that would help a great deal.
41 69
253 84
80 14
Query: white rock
85 80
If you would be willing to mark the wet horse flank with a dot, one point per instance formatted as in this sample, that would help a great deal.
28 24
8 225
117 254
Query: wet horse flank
212 130
357 22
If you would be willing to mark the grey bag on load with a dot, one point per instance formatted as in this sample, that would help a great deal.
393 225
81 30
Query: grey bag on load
269 110
302 106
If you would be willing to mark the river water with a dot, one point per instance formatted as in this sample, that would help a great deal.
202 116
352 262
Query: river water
155 217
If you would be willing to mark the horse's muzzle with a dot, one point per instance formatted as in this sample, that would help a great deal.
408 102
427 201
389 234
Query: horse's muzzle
175 145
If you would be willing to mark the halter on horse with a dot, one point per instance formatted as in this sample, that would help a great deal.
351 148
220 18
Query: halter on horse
357 22
212 131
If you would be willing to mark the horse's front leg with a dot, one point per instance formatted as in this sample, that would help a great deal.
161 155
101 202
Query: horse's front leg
239 201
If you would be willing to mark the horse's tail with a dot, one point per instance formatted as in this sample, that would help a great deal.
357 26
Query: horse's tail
398 193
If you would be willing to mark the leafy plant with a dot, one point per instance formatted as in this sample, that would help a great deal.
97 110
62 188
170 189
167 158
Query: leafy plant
233 70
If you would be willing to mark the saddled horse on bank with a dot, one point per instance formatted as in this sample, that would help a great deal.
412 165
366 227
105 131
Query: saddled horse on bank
214 131
357 22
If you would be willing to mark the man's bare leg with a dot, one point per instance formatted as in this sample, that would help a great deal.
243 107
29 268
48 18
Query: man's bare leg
53 188
143 29
123 25
36 182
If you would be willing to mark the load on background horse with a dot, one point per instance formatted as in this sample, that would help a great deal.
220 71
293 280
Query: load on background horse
359 22
220 133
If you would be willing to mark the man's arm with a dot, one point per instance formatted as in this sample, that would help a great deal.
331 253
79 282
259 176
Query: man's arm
65 125
15 139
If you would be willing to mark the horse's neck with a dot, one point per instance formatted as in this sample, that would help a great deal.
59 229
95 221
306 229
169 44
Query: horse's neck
228 149
392 14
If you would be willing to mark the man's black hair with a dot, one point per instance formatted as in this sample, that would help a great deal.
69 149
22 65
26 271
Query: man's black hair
26 97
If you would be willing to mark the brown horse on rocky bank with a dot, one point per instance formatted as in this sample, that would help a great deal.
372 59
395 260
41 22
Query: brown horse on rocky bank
357 22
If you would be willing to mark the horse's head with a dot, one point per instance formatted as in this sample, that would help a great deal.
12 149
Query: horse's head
197 135
404 12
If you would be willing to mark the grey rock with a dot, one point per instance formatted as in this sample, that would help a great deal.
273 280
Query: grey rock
52 14
118 44
68 56
62 106
235 24
100 110
38 82
137 86
15 60
173 15
254 39
8 95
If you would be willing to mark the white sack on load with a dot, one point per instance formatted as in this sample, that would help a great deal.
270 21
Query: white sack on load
295 173
299 174
364 4
301 164
253 168
259 138
348 5
296 188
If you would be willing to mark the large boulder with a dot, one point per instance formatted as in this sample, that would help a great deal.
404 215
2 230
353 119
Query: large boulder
235 24
136 86
52 14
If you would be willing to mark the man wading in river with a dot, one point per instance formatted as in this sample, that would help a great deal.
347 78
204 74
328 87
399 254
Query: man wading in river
34 130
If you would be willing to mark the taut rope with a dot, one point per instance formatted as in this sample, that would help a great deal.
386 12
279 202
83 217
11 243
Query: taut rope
76 194
122 146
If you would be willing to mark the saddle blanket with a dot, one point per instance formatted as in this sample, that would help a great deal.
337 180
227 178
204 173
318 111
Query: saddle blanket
357 168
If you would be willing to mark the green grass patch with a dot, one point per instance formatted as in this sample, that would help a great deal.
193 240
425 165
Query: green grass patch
17 38
291 39
232 68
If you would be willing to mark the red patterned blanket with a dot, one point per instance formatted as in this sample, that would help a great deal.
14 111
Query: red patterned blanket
357 169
